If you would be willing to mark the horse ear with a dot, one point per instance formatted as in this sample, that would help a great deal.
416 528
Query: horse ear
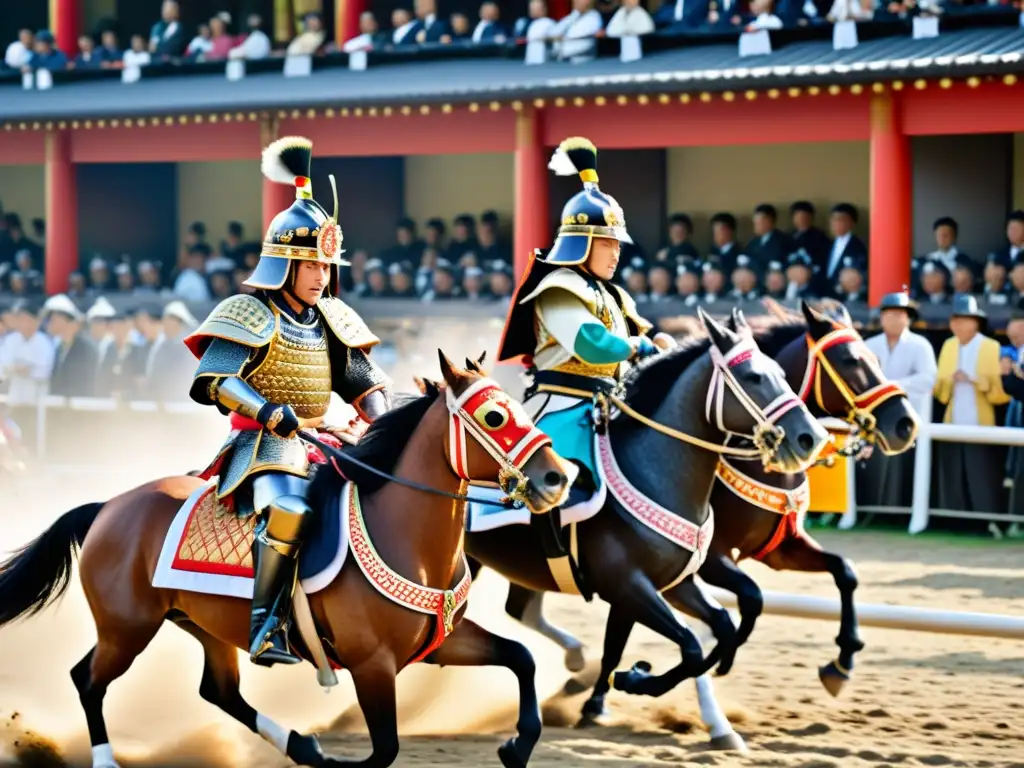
426 386
731 322
721 336
813 317
739 321
448 370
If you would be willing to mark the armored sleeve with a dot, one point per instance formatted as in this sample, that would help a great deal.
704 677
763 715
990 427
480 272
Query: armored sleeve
361 377
577 331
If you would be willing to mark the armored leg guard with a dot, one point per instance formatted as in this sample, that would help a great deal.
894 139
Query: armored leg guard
276 547
561 562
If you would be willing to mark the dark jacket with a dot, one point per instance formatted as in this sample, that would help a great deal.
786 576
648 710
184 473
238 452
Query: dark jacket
75 368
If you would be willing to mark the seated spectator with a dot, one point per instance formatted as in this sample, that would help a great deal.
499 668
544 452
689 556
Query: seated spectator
852 10
488 247
149 279
946 231
407 246
312 37
167 37
997 287
46 55
763 12
499 280
934 283
1013 385
218 262
712 281
119 363
191 284
489 29
256 44
26 265
681 15
1017 288
963 279
99 275
110 52
77 359
26 363
743 279
433 234
460 29
97 318
1014 237
125 278
376 280
17 284
659 281
727 14
425 271
400 281
77 286
768 243
807 236
723 237
171 365
19 52
576 34
775 280
798 13
630 20
404 27
222 284
239 277
88 57
137 55
679 248
463 238
443 285
430 29
221 38
851 286
15 241
368 37
232 245
688 274
537 25
472 283
634 278
201 44
844 243
800 276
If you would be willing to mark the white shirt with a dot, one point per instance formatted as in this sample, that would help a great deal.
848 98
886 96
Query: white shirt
38 354
191 286
481 27
948 258
767 21
255 46
911 364
17 55
363 42
837 252
577 31
540 29
965 406
628 22
850 10
400 34
679 10
1014 251
136 58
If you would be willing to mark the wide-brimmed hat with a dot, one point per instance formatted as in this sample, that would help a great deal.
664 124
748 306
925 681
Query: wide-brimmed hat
966 305
63 305
899 300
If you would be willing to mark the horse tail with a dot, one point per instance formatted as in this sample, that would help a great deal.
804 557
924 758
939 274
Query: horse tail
40 572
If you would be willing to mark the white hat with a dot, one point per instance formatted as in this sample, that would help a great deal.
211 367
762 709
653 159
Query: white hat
101 310
179 311
61 303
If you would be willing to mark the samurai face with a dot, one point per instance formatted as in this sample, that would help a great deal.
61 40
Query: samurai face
603 259
309 280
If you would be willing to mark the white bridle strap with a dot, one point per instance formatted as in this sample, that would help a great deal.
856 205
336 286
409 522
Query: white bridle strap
722 378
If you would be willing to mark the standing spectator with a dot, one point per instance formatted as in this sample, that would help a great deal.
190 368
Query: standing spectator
221 38
488 247
125 278
537 25
489 29
256 44
110 52
45 55
907 359
934 283
191 283
99 275
463 238
407 246
137 55
148 337
800 276
312 37
74 371
20 51
946 231
1010 360
26 363
232 245
171 364
368 37
433 234
768 243
577 33
201 44
844 243
723 238
98 319
88 57
120 363
679 248
1014 237
997 288
429 28
970 385
681 15
807 236
404 26
851 285
15 241
167 37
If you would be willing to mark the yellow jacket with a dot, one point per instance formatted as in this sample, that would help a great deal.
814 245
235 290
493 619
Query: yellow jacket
988 390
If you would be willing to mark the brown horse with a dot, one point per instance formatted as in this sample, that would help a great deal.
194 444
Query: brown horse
470 431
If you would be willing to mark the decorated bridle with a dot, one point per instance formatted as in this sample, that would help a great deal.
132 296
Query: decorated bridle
767 434
861 407
501 427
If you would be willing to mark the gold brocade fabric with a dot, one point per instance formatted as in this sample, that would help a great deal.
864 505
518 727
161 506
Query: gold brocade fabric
215 535
296 370
608 313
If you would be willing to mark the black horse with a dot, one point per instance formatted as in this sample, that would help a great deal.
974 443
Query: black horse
701 390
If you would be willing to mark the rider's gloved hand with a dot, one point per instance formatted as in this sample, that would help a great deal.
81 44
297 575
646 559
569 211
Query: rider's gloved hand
643 347
279 419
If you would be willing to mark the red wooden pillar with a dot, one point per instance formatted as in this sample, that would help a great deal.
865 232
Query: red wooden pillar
66 24
889 249
61 212
558 9
346 19
531 193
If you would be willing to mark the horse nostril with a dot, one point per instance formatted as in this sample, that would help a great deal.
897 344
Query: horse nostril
905 428
806 442
554 479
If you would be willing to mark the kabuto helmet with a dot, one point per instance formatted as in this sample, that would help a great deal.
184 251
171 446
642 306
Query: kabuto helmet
588 214
302 232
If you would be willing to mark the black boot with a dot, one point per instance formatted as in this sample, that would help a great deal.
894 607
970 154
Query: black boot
548 528
271 606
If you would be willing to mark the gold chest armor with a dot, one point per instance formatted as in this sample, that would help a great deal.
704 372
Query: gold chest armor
610 316
297 368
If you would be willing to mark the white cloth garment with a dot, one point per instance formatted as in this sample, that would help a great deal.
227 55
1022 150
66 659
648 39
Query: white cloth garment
965 406
17 55
837 252
577 31
628 22
255 46
27 365
911 364
540 29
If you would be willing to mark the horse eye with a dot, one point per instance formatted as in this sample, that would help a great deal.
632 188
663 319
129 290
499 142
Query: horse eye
753 378
491 417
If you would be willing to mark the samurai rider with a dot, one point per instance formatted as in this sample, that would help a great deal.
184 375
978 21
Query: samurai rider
271 361
577 333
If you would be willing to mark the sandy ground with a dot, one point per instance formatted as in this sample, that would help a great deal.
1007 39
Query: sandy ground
915 700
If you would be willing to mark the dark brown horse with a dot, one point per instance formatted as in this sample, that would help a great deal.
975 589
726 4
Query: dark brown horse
826 362
471 431
701 390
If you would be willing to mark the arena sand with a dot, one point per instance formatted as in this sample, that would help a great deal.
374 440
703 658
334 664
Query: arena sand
915 700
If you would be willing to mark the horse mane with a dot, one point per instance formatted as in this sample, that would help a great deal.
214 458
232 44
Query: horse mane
380 447
649 382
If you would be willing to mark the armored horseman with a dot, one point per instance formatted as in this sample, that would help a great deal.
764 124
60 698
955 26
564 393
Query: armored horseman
271 360
576 332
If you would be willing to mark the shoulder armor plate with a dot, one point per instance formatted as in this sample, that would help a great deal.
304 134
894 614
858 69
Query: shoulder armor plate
566 280
243 319
346 324
630 311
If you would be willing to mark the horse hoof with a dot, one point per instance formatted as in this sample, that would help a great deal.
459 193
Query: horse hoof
731 741
833 678
509 756
725 665
594 709
305 750
575 661
629 682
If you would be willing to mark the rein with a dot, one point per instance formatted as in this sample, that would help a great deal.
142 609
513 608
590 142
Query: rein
767 434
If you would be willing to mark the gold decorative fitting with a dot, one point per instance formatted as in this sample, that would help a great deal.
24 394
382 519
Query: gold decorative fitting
275 418
315 232
945 83
729 96
857 89
750 95
281 114
920 84
878 87
197 119
99 124
296 114
239 116
813 90
387 111
88 125
49 125
571 219
358 111
425 109
311 114
559 102
168 121
517 106
897 85
302 232
1010 80
973 82
329 112
622 100
446 109
131 123
62 125
582 218
684 98
183 119
75 124
252 116
22 126
835 90
227 117
705 97
579 101
286 236
643 99
474 107
372 111
344 112
793 92
495 106
663 98
538 103
600 101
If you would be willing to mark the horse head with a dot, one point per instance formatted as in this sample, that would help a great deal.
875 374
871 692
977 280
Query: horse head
844 380
493 440
750 396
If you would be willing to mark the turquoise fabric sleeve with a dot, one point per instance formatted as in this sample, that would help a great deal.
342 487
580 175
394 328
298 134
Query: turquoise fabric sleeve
595 345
